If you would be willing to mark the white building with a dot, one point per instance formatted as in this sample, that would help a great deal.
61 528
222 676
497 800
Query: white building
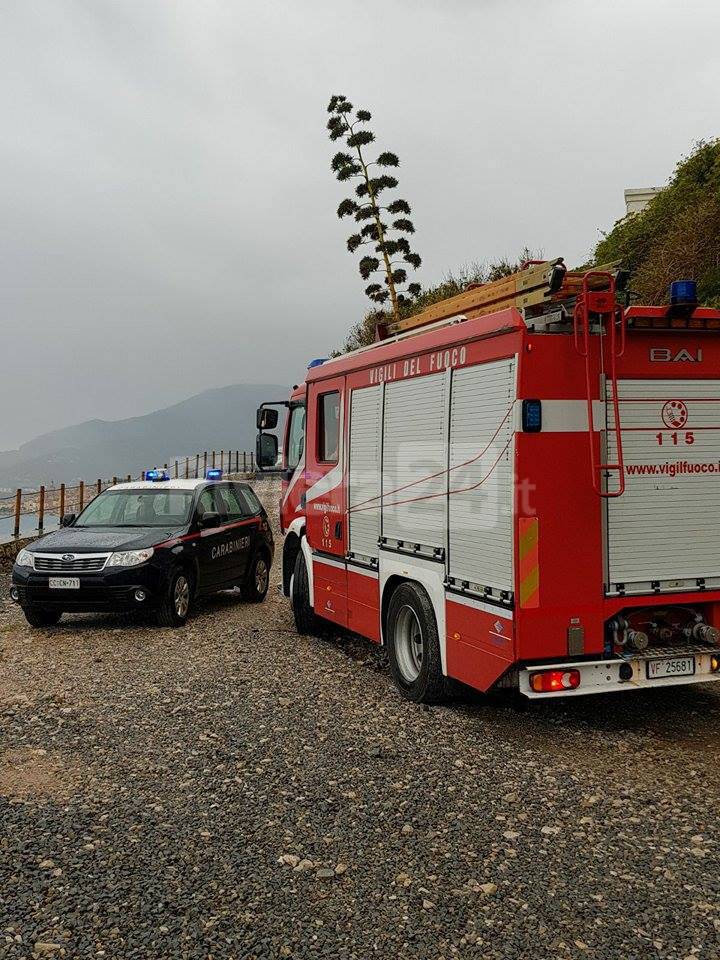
637 199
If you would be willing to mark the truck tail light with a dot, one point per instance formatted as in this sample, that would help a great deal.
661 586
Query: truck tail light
553 681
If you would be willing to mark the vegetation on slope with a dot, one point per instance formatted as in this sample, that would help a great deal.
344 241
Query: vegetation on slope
677 236
451 284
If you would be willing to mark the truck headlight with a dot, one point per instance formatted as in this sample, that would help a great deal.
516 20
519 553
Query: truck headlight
24 559
129 558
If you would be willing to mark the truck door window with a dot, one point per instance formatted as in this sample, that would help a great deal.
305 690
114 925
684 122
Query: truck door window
296 436
328 427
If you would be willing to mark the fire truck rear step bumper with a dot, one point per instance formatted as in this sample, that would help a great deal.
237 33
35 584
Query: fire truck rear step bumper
605 676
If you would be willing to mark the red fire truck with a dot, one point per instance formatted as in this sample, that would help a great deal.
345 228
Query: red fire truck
519 487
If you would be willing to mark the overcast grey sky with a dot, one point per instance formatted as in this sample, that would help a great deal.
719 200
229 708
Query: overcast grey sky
168 213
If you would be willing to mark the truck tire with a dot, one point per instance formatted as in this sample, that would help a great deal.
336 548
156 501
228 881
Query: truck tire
255 588
175 605
305 619
414 646
41 617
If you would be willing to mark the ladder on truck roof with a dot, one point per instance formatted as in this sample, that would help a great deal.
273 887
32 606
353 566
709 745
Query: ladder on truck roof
540 286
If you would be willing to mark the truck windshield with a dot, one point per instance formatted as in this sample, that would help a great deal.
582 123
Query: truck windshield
138 508
296 436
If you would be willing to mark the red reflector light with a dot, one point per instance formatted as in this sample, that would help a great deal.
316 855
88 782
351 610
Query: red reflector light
553 681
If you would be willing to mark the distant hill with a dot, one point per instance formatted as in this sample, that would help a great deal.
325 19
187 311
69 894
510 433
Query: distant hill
223 418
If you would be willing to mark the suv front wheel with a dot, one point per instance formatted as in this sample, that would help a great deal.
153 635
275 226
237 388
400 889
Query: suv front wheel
175 605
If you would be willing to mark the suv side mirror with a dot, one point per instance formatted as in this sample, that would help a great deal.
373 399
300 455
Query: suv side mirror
67 519
266 450
209 519
267 418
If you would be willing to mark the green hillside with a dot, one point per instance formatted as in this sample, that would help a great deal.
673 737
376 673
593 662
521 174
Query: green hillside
677 236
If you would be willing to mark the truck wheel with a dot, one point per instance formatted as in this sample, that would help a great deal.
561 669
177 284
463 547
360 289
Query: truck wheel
175 605
40 617
414 646
305 619
255 588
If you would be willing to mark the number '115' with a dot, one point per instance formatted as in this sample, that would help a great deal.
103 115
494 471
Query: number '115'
675 438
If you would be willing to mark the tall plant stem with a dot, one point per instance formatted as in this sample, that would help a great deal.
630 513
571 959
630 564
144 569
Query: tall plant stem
380 231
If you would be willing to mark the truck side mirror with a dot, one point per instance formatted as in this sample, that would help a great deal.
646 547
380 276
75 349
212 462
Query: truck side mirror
267 418
67 519
266 449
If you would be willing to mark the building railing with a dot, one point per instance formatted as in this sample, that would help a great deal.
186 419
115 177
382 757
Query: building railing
50 503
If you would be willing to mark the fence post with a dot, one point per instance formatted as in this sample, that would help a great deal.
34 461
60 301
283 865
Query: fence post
197 465
252 462
176 470
62 500
187 467
204 463
114 481
99 486
244 461
18 506
41 510
82 496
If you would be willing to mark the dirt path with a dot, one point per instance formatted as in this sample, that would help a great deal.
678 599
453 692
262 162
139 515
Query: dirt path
231 790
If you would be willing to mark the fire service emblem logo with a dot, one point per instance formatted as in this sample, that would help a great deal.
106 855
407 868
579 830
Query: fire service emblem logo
675 414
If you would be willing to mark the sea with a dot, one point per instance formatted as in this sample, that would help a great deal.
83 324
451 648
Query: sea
28 526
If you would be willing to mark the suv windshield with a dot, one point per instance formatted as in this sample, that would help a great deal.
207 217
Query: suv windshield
138 508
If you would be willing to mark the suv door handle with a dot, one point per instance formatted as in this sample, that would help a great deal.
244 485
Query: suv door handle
338 530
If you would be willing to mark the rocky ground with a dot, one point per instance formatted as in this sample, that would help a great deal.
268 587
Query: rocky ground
231 790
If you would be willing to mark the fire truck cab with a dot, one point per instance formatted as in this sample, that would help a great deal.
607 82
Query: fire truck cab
518 488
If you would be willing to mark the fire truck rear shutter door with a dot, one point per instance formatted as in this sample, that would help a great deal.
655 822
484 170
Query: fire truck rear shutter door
364 482
664 531
481 474
415 461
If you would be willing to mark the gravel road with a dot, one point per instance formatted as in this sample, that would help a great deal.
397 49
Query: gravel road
231 790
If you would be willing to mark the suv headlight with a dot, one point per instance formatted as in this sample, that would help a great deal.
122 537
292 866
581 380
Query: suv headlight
129 558
24 559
